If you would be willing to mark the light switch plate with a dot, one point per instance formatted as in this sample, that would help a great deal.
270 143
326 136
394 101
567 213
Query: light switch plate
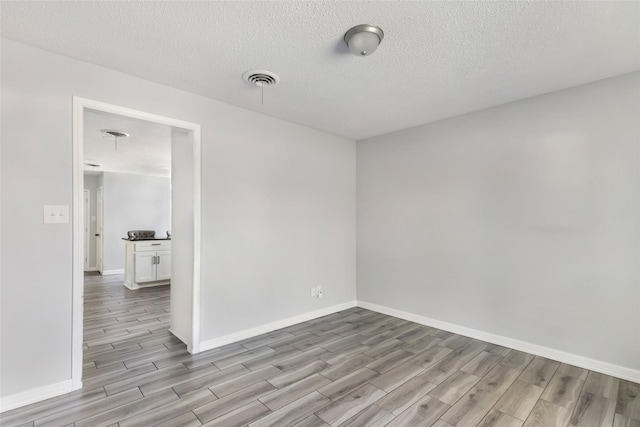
56 214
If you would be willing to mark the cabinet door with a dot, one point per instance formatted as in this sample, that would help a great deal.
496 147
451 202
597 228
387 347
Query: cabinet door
145 267
163 266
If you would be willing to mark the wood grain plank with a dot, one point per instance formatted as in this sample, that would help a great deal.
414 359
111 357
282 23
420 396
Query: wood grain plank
347 353
498 380
415 334
406 395
372 416
51 406
546 414
209 380
87 410
628 402
168 411
517 360
245 356
341 369
422 344
573 371
295 361
293 412
350 404
454 387
293 392
396 376
430 356
519 399
241 416
239 399
345 385
138 406
471 408
298 374
424 412
132 381
602 385
539 372
481 364
496 418
188 419
390 361
280 354
593 411
311 421
620 420
246 380
176 379
563 390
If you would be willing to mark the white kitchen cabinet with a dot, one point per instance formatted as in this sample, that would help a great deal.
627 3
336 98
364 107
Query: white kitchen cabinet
147 263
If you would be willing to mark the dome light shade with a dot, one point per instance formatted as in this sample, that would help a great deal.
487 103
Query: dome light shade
363 39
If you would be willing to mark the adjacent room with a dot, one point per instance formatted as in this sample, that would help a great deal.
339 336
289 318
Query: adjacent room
303 213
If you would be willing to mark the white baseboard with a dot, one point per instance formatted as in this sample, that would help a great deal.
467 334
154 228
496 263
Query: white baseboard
538 350
91 269
34 395
269 327
108 272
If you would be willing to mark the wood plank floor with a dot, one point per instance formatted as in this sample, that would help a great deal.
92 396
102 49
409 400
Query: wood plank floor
353 368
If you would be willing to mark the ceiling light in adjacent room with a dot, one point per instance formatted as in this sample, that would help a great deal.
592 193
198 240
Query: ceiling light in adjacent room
115 134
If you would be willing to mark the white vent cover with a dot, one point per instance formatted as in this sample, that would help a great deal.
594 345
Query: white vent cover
261 78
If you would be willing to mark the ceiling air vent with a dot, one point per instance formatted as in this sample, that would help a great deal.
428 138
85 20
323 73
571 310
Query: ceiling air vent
261 78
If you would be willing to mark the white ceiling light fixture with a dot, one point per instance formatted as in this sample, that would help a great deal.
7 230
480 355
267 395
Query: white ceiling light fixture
363 39
115 134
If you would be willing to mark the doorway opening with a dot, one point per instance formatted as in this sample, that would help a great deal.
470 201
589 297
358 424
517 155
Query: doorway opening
183 228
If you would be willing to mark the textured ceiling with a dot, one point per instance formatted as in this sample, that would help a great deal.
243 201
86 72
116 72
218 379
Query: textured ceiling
438 59
147 151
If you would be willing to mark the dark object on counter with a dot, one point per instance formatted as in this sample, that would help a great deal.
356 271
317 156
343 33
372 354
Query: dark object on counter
141 234
168 234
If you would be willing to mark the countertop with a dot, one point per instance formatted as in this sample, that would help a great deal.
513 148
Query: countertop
142 240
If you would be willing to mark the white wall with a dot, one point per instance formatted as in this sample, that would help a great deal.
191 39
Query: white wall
521 220
182 229
91 184
132 202
278 218
278 212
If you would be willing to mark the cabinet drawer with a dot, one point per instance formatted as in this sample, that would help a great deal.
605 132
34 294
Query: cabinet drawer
153 245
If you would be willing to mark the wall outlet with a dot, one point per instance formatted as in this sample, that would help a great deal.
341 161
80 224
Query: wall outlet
319 291
314 291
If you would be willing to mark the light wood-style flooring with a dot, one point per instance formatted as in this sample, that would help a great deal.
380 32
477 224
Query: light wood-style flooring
353 368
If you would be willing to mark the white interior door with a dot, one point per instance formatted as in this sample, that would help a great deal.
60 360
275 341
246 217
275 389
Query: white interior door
87 228
99 223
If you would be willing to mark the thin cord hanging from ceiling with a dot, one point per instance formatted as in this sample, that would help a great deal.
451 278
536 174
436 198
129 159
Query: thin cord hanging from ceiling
116 134
261 78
